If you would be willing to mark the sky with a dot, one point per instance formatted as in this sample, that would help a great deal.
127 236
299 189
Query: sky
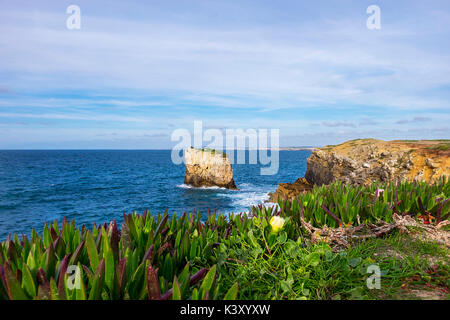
136 71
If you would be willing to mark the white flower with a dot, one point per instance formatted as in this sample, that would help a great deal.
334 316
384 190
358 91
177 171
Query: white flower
277 223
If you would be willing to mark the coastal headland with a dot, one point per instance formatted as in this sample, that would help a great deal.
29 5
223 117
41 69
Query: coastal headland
364 161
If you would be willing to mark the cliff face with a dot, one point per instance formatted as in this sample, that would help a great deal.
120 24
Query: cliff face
290 190
206 168
364 161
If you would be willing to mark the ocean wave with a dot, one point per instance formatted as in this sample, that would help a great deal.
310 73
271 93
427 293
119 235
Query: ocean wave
242 201
185 186
246 185
249 199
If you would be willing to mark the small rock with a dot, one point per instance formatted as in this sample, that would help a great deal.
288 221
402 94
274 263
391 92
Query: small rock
408 165
430 163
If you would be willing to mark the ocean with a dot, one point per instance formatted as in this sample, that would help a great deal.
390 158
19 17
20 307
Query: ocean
38 186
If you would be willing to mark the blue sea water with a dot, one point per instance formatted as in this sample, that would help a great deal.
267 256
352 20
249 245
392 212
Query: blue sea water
100 185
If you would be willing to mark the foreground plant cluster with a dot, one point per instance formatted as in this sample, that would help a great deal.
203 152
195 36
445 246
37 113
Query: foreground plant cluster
265 254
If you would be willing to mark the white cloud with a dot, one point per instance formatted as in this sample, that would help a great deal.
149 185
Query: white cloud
305 65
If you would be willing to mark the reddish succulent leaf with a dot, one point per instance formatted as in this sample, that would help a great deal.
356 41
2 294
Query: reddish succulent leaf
61 278
122 271
50 262
44 291
88 272
15 291
115 239
58 245
332 215
197 277
12 251
162 248
76 255
101 267
2 276
98 242
421 207
161 224
302 213
148 255
439 211
167 295
154 291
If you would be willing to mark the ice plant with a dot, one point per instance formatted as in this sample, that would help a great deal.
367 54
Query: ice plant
150 257
340 204
276 223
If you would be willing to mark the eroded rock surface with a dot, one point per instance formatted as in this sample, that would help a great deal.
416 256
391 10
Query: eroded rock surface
364 161
207 168
290 190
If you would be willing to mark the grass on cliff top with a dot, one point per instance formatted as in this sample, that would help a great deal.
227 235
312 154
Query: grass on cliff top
351 142
439 144
440 147
212 151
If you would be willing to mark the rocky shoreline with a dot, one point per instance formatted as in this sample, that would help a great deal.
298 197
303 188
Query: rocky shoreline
364 161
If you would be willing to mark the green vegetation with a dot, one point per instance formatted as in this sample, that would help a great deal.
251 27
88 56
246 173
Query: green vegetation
150 258
298 270
440 147
340 204
406 140
213 151
265 254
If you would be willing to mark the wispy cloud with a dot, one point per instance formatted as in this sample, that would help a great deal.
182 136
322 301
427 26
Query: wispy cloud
413 120
338 124
160 64
54 116
369 122
5 90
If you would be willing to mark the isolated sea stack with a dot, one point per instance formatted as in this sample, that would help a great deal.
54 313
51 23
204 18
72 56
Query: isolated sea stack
363 161
208 168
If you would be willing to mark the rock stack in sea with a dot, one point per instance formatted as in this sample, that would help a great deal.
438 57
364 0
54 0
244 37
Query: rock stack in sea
207 168
363 161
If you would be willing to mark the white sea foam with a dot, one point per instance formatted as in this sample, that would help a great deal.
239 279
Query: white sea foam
185 186
243 199
247 196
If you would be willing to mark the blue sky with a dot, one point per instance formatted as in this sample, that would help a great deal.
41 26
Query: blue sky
137 70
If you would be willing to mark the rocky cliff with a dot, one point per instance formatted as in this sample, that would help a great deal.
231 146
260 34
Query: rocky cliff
290 190
363 161
206 168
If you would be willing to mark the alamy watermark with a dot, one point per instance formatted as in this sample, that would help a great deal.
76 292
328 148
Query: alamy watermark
74 277
374 20
374 281
74 20
259 144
